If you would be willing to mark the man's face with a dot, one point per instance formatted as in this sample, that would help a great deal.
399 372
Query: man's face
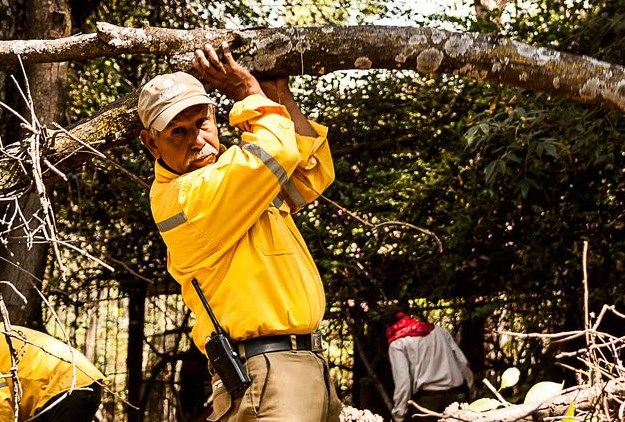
190 141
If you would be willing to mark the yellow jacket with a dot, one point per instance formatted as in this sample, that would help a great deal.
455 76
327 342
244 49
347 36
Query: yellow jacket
44 370
229 226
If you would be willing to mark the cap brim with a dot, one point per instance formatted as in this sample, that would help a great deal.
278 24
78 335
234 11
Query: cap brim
166 116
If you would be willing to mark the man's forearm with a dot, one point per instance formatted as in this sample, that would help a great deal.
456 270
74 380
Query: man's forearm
299 120
278 90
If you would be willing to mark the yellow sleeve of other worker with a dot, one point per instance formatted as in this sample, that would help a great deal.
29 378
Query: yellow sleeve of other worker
6 404
47 367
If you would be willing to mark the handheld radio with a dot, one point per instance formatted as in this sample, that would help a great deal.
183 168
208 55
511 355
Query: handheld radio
221 354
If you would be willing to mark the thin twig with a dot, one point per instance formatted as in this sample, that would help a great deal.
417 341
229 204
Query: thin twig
492 388
374 227
130 270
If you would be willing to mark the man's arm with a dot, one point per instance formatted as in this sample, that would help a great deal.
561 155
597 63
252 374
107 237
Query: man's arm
246 178
278 90
461 360
316 170
237 83
402 379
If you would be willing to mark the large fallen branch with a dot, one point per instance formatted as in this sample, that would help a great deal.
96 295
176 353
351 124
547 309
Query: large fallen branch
314 51
584 397
319 50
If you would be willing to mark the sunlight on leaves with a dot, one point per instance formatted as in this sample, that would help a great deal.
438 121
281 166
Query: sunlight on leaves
569 415
543 391
509 378
484 404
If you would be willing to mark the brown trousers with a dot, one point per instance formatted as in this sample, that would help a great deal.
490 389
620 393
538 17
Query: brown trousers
291 386
437 401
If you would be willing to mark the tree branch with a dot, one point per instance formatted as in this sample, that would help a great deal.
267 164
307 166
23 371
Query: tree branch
312 50
585 398
320 50
109 40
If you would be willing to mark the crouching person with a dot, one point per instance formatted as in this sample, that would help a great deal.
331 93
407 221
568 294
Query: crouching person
57 382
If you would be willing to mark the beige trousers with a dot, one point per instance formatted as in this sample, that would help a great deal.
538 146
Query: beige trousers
291 386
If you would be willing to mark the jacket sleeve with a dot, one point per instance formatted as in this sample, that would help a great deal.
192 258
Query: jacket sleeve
314 173
401 377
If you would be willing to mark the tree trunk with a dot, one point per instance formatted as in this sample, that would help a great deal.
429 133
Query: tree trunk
48 80
472 343
134 361
24 261
372 377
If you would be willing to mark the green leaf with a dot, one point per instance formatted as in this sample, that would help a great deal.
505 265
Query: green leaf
513 157
543 391
484 404
525 188
490 170
509 378
550 149
472 135
569 415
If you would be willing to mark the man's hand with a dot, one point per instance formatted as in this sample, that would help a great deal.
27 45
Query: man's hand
236 82
227 76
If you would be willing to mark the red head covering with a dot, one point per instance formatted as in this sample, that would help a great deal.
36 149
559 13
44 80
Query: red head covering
407 327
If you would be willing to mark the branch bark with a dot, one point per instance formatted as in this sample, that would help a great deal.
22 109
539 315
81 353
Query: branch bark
320 50
585 398
316 51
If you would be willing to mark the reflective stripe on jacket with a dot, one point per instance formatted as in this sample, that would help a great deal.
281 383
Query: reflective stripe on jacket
229 225
44 370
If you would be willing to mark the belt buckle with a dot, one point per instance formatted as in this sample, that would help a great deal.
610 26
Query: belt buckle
315 342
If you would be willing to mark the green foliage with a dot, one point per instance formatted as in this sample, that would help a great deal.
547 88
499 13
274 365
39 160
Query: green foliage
484 404
509 378
542 391
569 415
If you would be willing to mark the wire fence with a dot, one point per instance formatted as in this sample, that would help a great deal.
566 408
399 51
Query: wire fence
99 321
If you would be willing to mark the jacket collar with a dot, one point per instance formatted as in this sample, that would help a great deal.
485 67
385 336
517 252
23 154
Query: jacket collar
162 173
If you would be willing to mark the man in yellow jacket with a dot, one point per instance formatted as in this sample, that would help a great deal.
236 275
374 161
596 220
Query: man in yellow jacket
225 216
57 382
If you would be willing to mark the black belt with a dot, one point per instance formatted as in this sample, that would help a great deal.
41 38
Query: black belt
462 388
269 344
